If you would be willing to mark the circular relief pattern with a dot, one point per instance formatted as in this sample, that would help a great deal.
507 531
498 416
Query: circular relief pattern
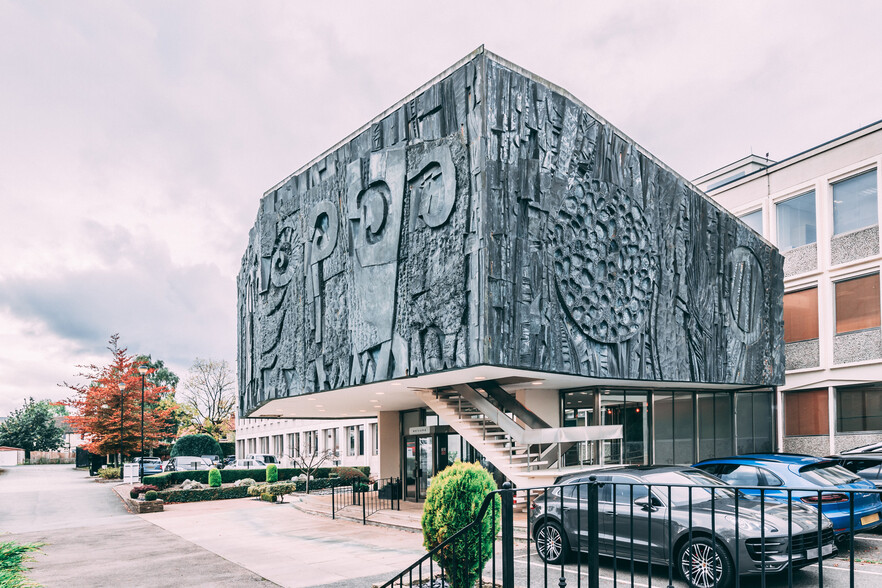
603 260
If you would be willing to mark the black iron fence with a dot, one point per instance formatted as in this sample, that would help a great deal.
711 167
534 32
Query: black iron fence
371 497
665 534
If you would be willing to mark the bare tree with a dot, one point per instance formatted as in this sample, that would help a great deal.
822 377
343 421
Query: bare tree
310 461
209 391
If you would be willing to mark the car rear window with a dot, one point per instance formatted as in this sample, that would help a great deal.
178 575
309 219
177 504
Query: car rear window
827 473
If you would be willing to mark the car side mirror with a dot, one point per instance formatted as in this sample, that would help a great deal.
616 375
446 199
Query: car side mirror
650 504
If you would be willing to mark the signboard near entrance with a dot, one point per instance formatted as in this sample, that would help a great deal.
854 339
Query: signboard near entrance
419 431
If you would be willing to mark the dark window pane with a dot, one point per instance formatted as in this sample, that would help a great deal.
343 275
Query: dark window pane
763 428
663 428
801 315
859 409
857 304
806 413
684 424
854 203
796 221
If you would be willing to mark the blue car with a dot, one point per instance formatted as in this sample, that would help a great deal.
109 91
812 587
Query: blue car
779 471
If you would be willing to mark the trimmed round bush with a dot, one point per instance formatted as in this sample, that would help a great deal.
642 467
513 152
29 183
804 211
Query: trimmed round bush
150 495
452 502
133 493
196 445
272 473
350 475
214 478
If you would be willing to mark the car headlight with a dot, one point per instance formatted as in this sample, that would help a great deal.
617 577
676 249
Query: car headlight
746 525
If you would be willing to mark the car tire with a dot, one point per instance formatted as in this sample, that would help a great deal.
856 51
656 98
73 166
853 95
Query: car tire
700 564
551 542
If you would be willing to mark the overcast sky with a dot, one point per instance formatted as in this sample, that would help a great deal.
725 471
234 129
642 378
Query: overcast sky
137 138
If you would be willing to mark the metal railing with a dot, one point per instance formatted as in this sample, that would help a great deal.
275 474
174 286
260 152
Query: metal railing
706 536
371 497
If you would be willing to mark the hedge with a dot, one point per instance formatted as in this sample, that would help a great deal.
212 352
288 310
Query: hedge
229 475
206 494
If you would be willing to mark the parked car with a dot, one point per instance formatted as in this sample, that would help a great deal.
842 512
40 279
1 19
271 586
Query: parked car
187 462
152 465
229 460
864 461
248 464
264 457
631 517
780 471
214 460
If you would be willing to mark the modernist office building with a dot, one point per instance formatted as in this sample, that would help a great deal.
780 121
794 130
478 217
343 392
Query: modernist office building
820 207
496 272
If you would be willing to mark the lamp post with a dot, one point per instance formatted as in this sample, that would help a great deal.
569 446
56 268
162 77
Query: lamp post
122 392
142 369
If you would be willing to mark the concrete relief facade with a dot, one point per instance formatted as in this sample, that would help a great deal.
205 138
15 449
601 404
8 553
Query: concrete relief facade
492 219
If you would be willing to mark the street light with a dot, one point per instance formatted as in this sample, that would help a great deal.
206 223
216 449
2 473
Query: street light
122 391
142 369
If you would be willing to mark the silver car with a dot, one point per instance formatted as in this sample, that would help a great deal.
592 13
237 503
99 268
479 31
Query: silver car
661 521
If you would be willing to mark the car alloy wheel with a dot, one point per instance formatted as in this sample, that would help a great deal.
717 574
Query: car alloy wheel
551 542
703 566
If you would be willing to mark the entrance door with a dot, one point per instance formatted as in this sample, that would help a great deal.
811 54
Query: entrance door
418 467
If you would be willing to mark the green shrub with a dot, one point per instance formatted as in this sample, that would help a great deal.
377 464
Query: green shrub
230 475
134 493
227 448
350 475
13 557
452 502
197 445
268 497
109 473
272 473
201 495
214 478
151 495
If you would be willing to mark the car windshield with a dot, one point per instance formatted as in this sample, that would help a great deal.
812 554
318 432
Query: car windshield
679 494
827 473
871 448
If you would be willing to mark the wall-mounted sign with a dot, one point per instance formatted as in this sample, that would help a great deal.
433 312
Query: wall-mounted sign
419 431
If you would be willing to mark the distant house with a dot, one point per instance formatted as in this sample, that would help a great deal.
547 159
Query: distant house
71 439
10 456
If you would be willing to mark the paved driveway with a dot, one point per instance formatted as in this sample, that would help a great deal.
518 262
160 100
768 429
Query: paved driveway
93 541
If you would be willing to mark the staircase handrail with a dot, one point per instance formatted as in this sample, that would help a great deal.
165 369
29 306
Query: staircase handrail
536 436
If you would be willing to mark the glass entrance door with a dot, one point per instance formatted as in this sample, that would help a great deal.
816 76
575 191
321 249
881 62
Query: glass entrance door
419 466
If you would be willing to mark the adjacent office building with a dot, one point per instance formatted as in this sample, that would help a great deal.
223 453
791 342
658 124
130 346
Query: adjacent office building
494 272
820 208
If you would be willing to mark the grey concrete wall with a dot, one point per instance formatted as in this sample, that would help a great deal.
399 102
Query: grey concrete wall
857 346
802 354
811 445
854 245
800 260
845 442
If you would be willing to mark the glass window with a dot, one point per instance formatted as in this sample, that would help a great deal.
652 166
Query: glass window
754 425
375 440
827 473
754 220
796 221
857 304
674 429
801 315
854 203
714 425
579 412
739 475
858 409
806 412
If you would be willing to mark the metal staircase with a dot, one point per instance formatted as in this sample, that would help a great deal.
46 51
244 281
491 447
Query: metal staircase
526 455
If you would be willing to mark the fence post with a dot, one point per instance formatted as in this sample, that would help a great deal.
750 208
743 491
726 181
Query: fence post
593 532
363 508
507 513
333 510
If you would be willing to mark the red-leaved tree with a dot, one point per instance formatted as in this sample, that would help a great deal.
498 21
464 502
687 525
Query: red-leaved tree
110 417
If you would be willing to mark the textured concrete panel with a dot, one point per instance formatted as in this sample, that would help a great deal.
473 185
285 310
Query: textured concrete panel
492 219
801 260
809 445
802 354
846 442
857 346
854 245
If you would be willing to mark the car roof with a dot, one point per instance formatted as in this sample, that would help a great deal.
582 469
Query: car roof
752 458
620 469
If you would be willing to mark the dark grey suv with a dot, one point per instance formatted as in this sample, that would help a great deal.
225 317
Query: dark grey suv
710 550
